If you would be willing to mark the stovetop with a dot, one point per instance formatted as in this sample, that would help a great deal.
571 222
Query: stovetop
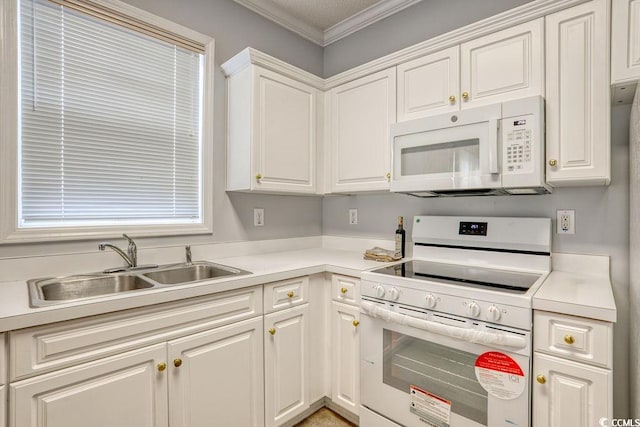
462 275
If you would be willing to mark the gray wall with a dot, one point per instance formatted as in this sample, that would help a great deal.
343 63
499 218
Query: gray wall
420 22
234 28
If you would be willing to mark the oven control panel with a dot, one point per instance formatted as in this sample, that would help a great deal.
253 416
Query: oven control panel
444 303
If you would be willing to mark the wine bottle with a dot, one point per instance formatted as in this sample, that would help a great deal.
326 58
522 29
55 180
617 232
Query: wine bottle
400 238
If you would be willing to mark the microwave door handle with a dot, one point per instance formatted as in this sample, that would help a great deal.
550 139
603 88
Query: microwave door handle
493 146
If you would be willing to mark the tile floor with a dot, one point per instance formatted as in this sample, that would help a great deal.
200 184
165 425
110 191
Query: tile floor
324 418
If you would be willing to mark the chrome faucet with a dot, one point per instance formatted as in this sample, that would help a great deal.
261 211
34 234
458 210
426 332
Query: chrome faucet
187 253
131 257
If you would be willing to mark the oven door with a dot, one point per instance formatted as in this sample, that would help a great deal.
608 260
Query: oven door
435 154
416 377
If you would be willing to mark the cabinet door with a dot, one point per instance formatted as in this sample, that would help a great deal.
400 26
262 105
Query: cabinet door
625 43
429 85
345 390
573 394
127 390
284 145
218 375
503 66
578 99
286 367
361 113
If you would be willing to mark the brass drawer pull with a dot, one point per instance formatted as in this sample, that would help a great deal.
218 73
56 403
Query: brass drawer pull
162 366
290 294
355 323
177 362
541 379
569 339
343 290
272 331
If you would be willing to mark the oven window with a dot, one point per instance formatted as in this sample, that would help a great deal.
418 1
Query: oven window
450 157
443 371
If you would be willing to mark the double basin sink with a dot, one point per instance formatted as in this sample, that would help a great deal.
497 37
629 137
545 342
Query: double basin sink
56 290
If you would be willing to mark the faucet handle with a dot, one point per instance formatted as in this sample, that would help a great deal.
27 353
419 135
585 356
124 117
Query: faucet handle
187 252
132 250
131 242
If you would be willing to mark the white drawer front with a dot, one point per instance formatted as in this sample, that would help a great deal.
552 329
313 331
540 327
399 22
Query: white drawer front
285 294
46 348
576 338
345 289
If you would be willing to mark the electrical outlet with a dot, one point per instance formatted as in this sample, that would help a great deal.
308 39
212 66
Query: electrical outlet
353 216
566 222
258 217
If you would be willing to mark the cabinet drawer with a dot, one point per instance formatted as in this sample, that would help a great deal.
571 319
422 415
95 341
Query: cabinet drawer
345 289
46 348
285 294
576 338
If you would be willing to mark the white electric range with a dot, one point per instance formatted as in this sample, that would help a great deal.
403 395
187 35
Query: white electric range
446 336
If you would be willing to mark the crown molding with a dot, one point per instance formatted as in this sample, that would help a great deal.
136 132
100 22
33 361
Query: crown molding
519 15
358 21
364 18
251 56
284 19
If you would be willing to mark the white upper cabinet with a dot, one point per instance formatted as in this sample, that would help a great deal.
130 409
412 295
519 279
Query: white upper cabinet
502 66
429 85
625 43
272 132
361 112
578 96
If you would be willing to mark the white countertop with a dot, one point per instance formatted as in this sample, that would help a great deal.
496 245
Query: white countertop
15 312
578 285
568 289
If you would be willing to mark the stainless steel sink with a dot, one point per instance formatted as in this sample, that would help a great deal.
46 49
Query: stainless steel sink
195 272
56 290
78 287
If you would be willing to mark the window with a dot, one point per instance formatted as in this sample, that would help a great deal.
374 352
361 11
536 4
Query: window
110 132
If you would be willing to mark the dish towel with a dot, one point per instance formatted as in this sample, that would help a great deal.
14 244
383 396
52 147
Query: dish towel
634 253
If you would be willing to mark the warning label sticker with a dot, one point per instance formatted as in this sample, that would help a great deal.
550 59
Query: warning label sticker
433 410
500 375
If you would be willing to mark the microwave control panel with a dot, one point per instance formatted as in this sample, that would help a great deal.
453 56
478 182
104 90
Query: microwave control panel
518 144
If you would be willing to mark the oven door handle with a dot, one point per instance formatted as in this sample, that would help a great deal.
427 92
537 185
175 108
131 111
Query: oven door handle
464 334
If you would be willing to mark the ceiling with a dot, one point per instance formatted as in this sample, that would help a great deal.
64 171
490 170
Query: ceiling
325 21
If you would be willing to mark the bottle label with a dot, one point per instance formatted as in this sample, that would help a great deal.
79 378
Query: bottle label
398 244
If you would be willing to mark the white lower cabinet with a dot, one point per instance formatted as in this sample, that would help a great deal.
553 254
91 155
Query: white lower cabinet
128 390
572 365
568 393
345 381
286 364
218 375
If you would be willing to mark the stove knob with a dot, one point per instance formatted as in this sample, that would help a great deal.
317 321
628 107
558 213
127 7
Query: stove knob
394 294
473 309
431 301
493 313
379 291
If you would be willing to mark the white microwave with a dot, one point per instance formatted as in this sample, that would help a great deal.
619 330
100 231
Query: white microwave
492 150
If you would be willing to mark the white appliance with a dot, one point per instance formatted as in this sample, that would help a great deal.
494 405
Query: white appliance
446 337
491 150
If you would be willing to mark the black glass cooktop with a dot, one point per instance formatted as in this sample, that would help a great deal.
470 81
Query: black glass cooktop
462 275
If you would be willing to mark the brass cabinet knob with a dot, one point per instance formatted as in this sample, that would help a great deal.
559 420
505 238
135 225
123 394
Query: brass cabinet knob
290 294
388 175
553 162
162 366
258 177
569 339
272 331
452 99
177 362
343 290
465 95
541 379
355 323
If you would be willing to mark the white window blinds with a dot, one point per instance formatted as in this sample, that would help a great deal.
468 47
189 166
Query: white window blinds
110 123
